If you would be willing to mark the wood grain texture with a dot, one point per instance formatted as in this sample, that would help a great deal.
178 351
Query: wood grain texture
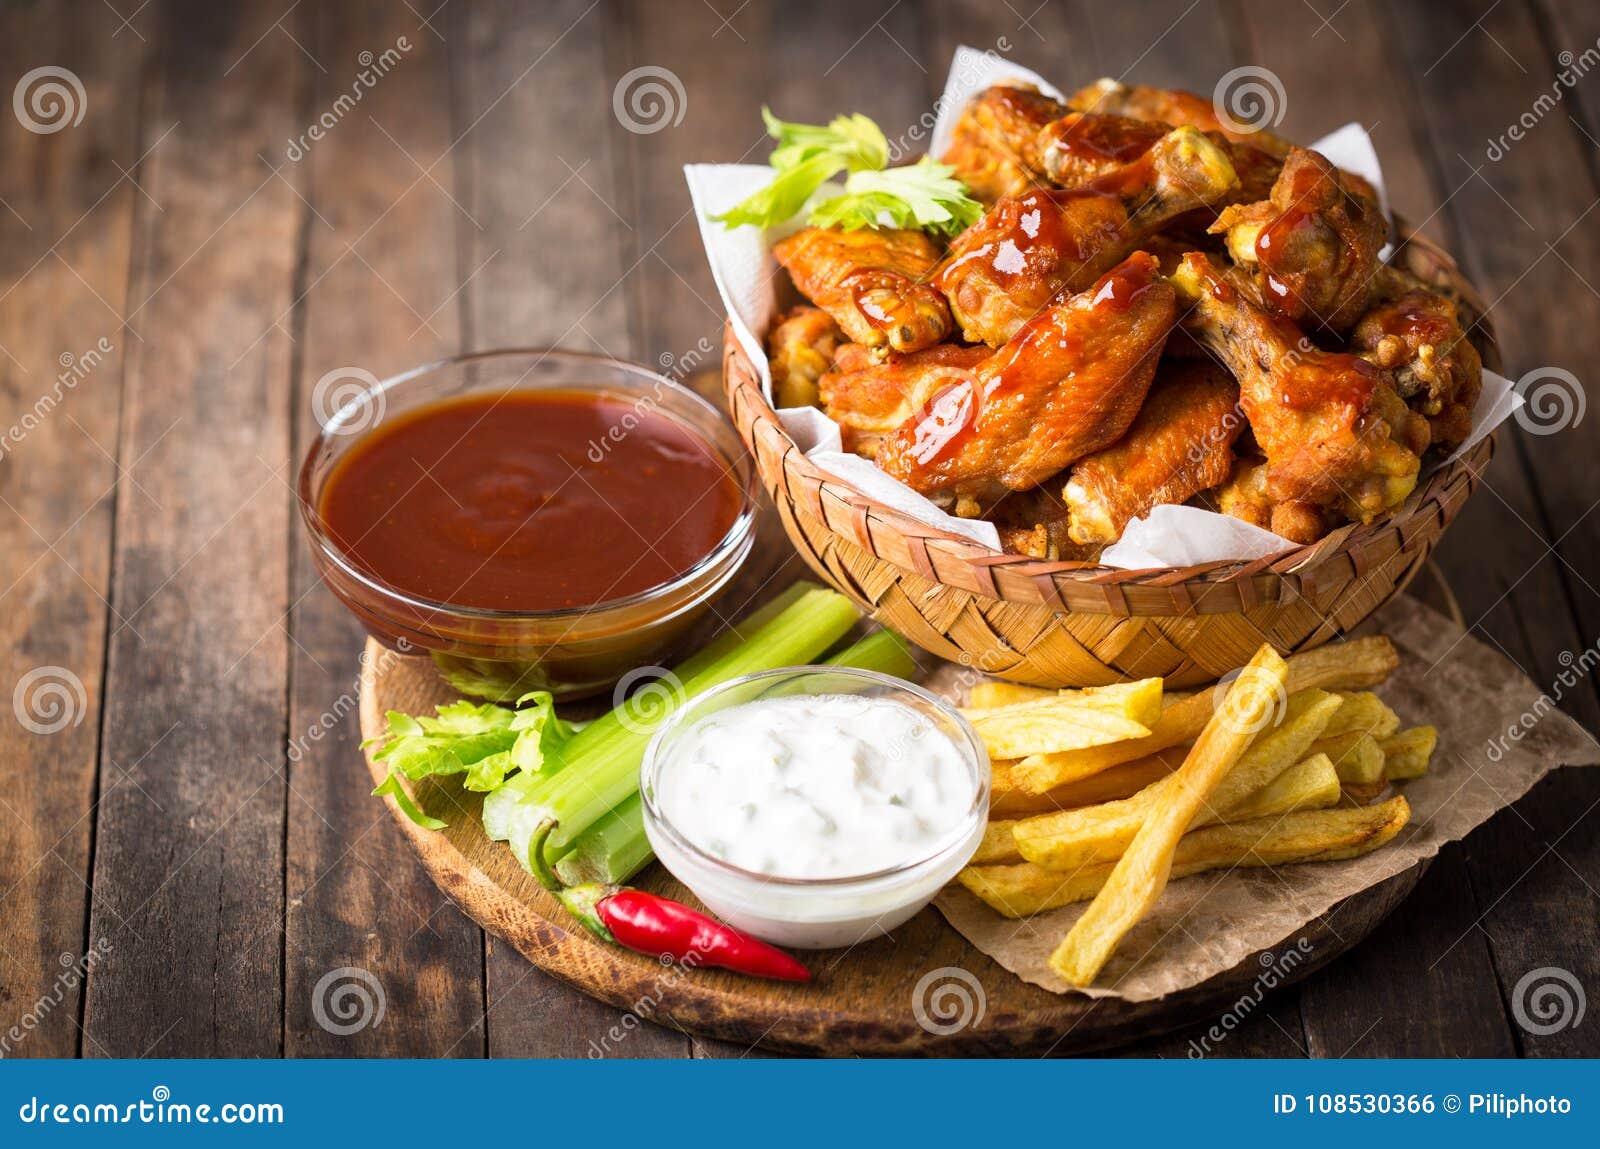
66 232
375 299
188 867
541 239
862 1001
1418 1004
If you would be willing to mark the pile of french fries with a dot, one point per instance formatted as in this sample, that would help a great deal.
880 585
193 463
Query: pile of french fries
1107 793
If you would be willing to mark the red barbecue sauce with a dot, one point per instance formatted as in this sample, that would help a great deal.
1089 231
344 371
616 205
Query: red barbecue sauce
536 500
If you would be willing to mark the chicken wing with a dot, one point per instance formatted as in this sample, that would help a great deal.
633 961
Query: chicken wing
1069 383
1004 269
1180 444
1246 496
1336 434
800 349
993 146
1313 245
1169 106
872 282
1415 333
869 397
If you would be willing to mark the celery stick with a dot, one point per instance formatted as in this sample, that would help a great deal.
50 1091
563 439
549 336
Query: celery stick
612 850
728 641
602 760
615 848
882 650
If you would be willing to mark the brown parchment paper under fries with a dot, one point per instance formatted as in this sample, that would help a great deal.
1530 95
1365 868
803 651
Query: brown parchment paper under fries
1208 923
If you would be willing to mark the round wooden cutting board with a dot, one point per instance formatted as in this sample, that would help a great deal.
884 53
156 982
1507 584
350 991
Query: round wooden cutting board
862 1001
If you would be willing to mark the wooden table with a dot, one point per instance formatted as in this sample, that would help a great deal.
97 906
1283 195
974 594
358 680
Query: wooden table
189 268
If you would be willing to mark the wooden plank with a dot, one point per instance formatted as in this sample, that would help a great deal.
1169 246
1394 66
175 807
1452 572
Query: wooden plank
66 230
379 286
541 255
1535 871
1332 73
188 866
1053 39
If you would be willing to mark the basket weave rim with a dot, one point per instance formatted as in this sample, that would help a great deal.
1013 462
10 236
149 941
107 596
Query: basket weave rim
1425 258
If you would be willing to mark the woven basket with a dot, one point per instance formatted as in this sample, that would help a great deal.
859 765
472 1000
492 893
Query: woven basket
1077 624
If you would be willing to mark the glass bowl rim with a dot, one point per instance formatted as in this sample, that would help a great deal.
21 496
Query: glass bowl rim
971 747
739 532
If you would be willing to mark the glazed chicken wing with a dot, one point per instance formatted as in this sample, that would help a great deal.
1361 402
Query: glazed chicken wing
1415 333
869 397
994 144
1004 269
1313 244
1339 440
1008 140
800 348
1180 444
1069 383
1169 106
872 282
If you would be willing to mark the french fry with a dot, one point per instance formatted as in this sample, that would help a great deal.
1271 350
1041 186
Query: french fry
993 695
1352 665
1072 720
1308 836
1356 755
1365 713
1073 838
1141 874
998 846
1406 754
1311 784
1362 793
1122 781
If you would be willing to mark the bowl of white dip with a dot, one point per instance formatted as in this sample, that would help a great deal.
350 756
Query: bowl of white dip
815 806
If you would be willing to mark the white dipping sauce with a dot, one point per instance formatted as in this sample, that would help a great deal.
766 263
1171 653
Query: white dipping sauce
823 786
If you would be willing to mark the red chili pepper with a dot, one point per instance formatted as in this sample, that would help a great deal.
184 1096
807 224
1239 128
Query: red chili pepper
661 927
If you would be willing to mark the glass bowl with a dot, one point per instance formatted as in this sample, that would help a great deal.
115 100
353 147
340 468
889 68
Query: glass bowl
503 654
814 913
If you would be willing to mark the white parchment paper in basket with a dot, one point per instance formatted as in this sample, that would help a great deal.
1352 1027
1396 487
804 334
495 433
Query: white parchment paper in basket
745 272
1208 923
